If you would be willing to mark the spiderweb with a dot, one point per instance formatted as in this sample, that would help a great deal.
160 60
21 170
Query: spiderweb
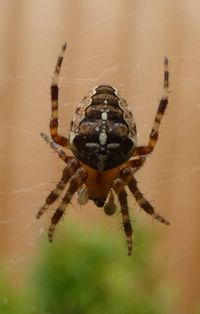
115 48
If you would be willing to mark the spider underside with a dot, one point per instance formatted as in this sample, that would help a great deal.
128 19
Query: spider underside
106 156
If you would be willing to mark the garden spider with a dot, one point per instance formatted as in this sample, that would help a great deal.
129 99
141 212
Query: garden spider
103 140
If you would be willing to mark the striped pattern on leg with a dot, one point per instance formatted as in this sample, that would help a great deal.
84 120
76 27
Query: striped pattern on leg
54 102
127 177
75 183
136 163
56 148
119 189
144 150
69 170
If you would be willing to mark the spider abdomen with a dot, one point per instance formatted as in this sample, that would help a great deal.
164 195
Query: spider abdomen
103 132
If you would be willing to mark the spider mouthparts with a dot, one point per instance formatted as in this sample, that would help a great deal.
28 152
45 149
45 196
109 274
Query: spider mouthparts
99 202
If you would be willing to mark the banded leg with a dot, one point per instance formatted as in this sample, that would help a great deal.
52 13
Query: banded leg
59 139
69 170
144 150
119 189
129 179
110 208
75 183
136 163
56 148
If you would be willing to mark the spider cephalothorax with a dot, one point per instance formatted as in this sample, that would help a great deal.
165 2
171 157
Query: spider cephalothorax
103 141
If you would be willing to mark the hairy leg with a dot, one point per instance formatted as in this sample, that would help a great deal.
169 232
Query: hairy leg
69 170
56 148
127 177
75 183
119 189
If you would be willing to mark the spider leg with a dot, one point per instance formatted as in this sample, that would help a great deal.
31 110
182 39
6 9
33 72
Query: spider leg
59 139
144 150
119 189
136 163
75 183
56 148
69 170
128 177
110 207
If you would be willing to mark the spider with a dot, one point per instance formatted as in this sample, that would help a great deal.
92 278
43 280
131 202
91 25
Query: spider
103 140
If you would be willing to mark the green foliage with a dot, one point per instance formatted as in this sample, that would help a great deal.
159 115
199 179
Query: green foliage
9 300
88 272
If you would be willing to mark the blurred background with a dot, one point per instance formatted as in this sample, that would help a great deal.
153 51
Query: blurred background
86 270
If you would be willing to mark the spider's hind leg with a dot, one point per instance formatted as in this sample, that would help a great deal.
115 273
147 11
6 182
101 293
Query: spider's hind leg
128 177
119 189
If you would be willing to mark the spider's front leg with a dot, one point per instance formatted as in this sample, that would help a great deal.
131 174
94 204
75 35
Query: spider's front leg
119 189
144 150
128 178
56 148
61 140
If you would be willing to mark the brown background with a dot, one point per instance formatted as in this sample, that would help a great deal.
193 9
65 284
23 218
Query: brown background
122 43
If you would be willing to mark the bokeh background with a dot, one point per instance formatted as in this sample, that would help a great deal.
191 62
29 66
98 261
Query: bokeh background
122 43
